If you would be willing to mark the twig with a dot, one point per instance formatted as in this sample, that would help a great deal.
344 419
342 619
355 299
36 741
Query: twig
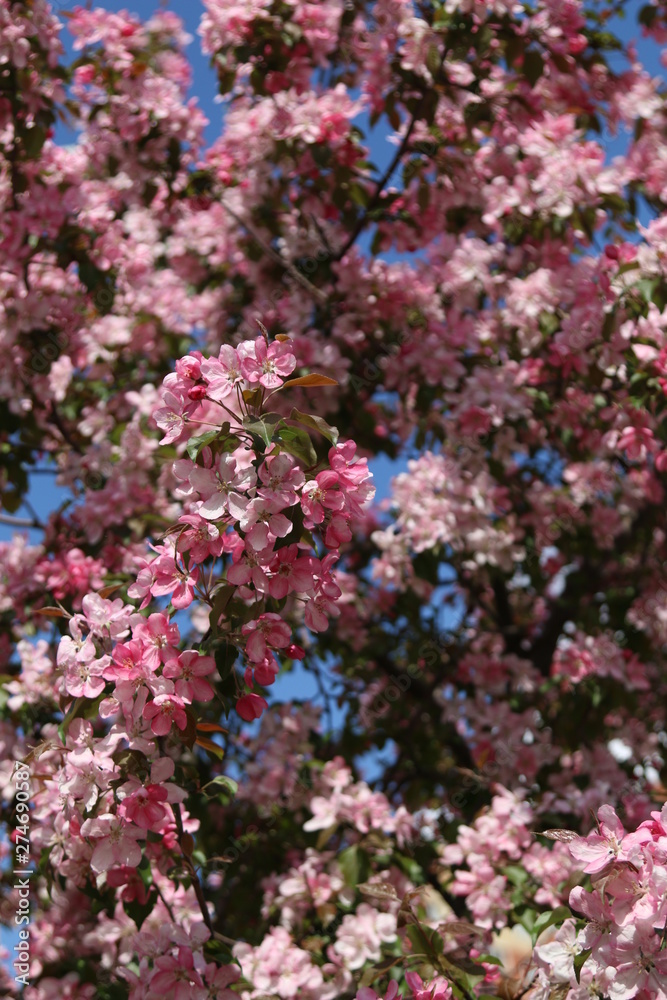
167 905
192 871
322 235
314 292
21 522
55 418
384 180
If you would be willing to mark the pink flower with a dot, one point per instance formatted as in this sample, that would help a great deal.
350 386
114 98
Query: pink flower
221 374
599 850
267 671
266 365
177 978
268 630
219 978
290 572
116 842
201 538
172 579
188 670
164 710
281 479
319 495
145 808
129 661
171 417
251 706
160 636
437 989
219 488
366 993
262 521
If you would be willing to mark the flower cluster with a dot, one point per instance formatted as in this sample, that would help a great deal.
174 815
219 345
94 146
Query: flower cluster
624 914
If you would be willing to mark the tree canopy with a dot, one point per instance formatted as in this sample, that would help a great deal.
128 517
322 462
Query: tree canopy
204 345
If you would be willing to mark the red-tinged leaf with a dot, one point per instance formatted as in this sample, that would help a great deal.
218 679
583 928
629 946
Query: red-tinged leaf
53 612
210 727
252 396
111 589
210 746
312 380
187 844
283 338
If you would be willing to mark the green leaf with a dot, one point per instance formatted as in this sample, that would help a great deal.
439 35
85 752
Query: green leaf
297 443
225 658
545 920
196 444
222 598
138 912
10 501
313 380
32 141
80 707
221 784
412 868
533 66
579 961
359 194
515 874
210 746
647 15
514 47
260 429
316 423
433 62
348 862
376 244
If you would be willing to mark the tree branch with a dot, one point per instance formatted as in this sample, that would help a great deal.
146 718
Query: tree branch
21 522
384 180
192 871
316 293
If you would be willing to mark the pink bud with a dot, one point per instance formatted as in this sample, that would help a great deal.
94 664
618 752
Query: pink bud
251 706
295 652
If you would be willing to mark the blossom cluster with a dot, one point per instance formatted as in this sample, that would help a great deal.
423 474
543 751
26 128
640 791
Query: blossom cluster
487 646
624 914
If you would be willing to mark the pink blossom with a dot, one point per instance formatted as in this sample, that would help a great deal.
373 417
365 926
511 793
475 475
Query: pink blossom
176 581
177 978
436 989
599 850
165 710
116 842
267 365
144 807
289 572
268 630
222 374
188 670
251 706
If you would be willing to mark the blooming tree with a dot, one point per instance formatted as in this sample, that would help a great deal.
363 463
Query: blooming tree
204 346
